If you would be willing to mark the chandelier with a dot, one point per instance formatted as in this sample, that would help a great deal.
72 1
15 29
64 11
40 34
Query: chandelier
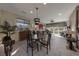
36 20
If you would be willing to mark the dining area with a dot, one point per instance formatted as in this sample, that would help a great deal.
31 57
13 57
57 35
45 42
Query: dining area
58 48
38 40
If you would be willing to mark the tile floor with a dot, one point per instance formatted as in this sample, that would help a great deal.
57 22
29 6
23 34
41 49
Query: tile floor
58 48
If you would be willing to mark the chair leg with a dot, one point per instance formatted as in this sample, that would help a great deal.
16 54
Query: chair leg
47 49
40 46
32 51
49 46
37 47
27 48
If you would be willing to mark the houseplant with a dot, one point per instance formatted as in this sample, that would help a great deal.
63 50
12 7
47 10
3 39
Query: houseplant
8 30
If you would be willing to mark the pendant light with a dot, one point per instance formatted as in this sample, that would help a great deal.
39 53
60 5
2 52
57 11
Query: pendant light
36 20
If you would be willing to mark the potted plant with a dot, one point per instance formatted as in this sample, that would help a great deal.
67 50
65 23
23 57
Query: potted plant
8 30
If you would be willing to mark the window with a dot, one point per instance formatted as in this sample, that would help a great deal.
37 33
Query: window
22 24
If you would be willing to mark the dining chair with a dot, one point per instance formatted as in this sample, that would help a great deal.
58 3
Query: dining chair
45 41
32 43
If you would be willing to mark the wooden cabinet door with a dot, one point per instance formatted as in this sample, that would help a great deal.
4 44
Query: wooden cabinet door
22 35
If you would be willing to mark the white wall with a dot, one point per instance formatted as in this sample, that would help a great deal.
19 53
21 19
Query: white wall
72 22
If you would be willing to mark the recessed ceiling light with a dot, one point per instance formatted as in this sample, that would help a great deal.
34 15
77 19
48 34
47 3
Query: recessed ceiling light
59 14
44 3
31 11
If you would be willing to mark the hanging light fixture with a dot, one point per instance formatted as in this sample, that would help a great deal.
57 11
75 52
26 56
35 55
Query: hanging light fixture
36 20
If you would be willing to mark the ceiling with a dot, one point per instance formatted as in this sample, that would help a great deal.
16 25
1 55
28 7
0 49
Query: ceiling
51 11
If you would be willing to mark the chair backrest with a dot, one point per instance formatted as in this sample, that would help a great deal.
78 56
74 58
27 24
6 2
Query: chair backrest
48 35
40 35
29 36
34 35
45 36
